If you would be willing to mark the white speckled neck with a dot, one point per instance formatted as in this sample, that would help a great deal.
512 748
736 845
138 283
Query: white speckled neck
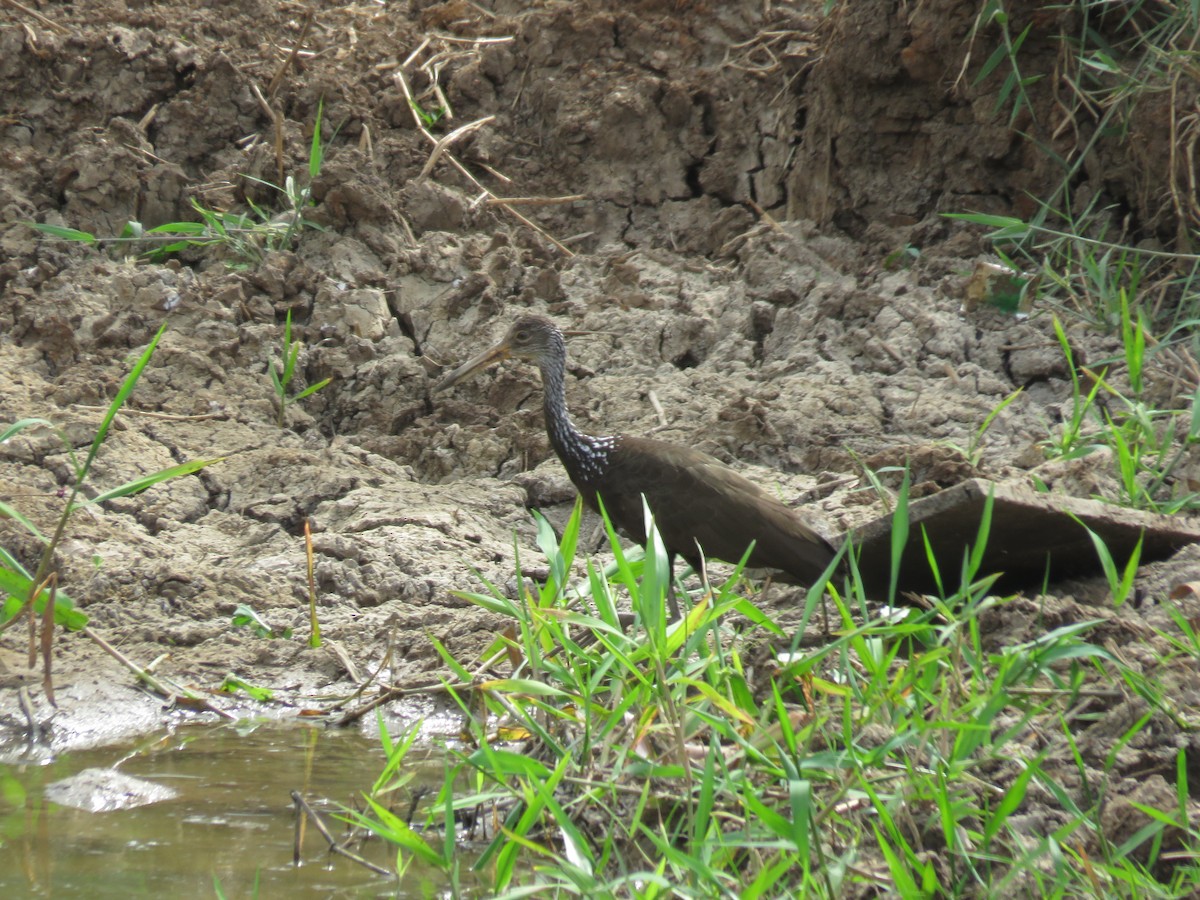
583 455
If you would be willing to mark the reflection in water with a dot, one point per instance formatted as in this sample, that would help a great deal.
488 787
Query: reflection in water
232 820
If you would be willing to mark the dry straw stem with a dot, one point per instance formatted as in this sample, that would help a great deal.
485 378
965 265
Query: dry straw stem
388 694
452 48
533 201
394 692
758 55
26 704
1174 363
273 87
47 637
170 691
345 661
731 246
150 116
32 13
441 145
50 581
150 414
1184 201
304 810
146 153
314 638
277 122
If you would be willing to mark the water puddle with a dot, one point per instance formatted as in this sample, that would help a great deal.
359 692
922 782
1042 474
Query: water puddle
231 817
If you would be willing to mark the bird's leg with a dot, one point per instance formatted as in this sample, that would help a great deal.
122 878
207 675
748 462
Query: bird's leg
672 602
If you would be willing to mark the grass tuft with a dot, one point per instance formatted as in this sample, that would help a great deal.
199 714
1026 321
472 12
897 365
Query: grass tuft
244 238
680 759
282 374
23 591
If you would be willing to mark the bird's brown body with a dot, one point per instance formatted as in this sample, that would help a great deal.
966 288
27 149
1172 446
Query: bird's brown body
699 504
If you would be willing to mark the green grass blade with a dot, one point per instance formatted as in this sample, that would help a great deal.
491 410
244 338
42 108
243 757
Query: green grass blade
177 228
9 512
10 562
17 427
290 357
140 484
902 878
547 541
312 389
523 686
126 389
316 151
990 64
800 796
1007 229
17 584
931 558
1012 799
66 234
656 575
398 831
981 537
899 533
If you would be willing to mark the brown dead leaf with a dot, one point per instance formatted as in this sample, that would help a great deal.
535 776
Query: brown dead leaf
1186 589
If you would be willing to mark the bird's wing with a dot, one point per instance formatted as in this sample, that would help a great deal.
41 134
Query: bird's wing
698 499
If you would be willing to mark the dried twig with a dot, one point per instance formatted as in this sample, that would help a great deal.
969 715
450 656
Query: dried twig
150 116
314 637
532 201
387 695
334 846
441 151
26 704
455 39
758 56
346 662
51 581
170 417
273 87
768 218
658 409
277 122
146 153
49 23
171 692
48 639
442 144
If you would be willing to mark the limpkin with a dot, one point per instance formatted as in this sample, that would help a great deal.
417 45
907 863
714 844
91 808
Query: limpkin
699 504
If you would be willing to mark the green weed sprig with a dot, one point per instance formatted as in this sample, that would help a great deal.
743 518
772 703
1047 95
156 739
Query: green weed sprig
247 238
281 375
24 591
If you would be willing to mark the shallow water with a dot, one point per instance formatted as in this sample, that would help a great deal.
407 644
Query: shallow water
233 819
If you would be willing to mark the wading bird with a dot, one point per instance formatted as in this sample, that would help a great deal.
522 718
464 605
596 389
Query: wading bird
700 505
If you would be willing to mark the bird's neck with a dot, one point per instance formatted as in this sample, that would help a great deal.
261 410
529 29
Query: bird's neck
584 456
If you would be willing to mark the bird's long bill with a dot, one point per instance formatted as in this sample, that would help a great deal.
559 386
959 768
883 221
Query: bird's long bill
478 364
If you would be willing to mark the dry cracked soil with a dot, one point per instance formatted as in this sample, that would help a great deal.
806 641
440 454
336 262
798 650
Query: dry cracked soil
720 194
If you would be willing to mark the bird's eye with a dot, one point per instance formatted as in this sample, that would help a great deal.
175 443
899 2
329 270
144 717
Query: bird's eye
522 336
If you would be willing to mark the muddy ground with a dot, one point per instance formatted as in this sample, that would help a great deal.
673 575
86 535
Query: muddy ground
705 197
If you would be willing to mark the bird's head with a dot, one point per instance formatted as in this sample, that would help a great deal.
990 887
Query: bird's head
534 339
530 338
